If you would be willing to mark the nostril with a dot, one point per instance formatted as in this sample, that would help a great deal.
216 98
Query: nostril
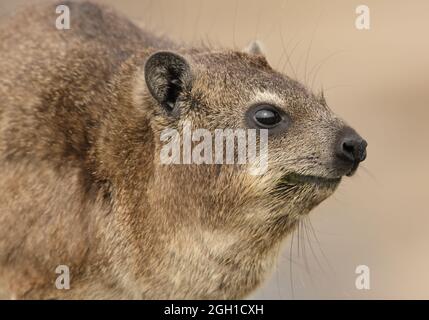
348 150
348 147
353 149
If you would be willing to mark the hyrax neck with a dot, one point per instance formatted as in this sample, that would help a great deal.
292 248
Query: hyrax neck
200 264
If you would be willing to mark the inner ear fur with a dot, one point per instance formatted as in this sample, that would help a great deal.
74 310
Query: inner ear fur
167 74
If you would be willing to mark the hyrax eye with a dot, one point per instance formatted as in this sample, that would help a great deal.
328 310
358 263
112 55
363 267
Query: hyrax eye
267 117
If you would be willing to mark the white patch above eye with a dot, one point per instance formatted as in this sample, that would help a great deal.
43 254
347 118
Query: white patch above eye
266 97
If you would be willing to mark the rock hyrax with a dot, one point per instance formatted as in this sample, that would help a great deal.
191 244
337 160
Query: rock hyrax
82 184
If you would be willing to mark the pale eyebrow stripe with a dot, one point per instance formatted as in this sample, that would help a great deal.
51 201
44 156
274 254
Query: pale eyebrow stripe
266 97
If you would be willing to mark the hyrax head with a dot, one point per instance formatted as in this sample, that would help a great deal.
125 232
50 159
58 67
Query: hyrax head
200 93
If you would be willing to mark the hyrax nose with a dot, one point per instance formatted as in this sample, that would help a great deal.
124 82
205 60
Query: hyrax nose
351 147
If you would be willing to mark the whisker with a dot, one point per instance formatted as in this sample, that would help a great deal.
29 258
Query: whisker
291 265
288 61
311 46
320 247
278 280
306 220
369 173
317 67
197 22
258 21
234 24
337 86
307 268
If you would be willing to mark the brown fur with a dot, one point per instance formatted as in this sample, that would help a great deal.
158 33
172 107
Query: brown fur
81 183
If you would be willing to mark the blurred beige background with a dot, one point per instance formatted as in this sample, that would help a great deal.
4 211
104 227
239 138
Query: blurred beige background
377 80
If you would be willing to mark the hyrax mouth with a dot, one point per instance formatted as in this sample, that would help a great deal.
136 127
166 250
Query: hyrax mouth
306 191
295 179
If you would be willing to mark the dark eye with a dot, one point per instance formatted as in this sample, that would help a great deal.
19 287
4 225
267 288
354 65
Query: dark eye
267 117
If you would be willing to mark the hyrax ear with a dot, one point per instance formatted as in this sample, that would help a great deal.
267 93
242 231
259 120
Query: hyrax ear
255 47
166 75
